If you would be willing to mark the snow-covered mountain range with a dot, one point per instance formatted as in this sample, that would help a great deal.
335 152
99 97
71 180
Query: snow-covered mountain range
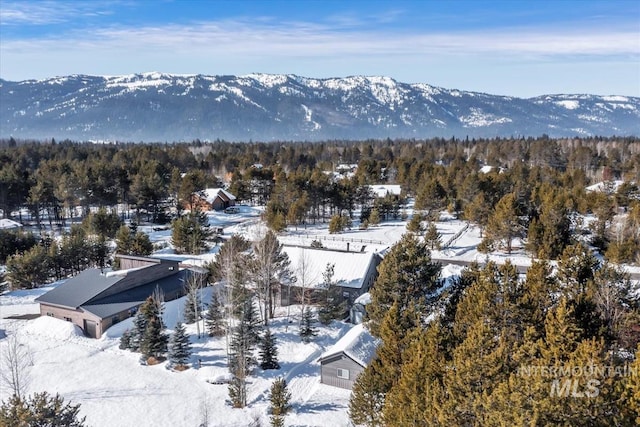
264 107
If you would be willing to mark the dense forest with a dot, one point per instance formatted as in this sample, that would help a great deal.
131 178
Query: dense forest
535 189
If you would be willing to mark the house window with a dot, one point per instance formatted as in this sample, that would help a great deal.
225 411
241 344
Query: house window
50 314
343 373
68 319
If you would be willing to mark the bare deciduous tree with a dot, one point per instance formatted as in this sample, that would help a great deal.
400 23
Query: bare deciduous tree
16 360
271 267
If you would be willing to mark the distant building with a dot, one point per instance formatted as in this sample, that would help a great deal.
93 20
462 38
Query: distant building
354 273
214 199
342 363
95 300
381 190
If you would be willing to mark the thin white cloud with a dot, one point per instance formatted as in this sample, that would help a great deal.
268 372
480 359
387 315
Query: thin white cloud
323 50
300 38
18 13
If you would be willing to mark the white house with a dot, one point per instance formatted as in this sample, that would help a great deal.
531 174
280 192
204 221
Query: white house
381 190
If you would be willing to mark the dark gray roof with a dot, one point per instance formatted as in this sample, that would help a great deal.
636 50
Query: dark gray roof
114 304
80 289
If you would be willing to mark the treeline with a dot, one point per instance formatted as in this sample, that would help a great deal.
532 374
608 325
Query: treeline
556 348
542 181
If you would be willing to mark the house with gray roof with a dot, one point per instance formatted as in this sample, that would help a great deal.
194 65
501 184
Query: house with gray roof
94 300
342 363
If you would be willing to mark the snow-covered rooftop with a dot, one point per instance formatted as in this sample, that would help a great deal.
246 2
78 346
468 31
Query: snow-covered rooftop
350 268
383 190
358 344
605 186
6 224
210 194
363 299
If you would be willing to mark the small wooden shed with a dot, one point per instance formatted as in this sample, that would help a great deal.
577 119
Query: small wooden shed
342 363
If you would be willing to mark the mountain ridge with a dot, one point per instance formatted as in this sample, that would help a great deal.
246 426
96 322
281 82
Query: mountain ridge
155 106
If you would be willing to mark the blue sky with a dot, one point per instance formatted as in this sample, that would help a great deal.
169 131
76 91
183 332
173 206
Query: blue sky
516 47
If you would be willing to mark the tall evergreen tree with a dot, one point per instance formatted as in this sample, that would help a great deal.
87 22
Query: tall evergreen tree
432 237
179 347
413 401
368 397
307 330
214 318
268 351
152 340
505 223
241 359
191 232
406 274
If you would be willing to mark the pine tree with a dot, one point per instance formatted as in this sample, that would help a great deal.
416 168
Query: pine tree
251 320
336 224
179 347
154 340
330 309
241 359
504 223
279 402
368 397
630 404
374 217
243 341
214 318
268 351
139 327
41 409
307 330
412 401
432 237
415 224
406 275
431 198
125 340
192 302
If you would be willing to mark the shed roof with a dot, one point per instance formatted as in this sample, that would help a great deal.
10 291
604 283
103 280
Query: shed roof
358 344
350 268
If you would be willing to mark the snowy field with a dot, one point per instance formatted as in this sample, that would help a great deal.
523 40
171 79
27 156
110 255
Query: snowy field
115 390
